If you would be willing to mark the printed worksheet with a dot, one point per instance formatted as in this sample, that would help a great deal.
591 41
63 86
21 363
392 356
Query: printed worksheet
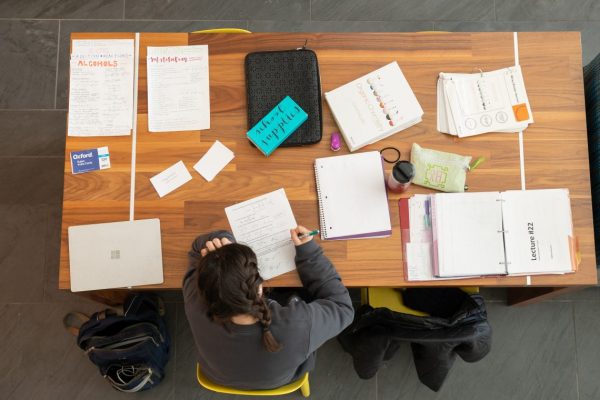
101 88
178 89
264 224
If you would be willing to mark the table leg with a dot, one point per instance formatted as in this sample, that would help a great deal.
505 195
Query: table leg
521 296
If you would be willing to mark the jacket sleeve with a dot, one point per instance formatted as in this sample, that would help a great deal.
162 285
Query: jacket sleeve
331 309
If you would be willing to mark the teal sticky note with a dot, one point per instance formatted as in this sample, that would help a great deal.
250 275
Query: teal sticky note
277 125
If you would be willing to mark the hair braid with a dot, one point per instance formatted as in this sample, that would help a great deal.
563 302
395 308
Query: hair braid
269 341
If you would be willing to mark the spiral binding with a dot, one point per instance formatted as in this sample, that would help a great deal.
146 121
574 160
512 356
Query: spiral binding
483 93
321 208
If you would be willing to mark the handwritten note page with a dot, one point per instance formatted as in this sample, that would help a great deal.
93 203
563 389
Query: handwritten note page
264 224
101 87
178 89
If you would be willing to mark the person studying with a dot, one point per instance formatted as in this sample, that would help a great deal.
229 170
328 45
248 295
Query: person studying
246 340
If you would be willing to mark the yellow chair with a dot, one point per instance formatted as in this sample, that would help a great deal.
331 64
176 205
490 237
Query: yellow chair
301 384
223 30
391 298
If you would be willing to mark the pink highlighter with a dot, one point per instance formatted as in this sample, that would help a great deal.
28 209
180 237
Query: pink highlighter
336 141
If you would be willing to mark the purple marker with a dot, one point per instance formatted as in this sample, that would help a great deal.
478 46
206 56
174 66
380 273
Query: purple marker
336 141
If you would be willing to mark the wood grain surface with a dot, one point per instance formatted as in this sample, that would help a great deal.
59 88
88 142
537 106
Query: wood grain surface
555 145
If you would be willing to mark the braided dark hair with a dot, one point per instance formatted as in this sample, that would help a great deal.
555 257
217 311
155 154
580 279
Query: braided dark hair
229 281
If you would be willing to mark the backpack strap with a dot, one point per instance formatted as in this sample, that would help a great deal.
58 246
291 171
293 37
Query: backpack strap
73 321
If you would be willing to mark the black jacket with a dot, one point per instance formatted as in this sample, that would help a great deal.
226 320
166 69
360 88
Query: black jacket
376 334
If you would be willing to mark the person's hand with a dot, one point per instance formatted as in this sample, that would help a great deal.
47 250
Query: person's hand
298 231
214 244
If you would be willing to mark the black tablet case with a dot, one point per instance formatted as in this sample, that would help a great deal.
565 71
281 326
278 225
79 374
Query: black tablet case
272 75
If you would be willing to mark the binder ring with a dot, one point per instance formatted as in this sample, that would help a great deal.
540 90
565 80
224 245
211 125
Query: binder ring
393 149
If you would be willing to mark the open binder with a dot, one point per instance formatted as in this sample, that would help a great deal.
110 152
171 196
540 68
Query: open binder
492 233
488 233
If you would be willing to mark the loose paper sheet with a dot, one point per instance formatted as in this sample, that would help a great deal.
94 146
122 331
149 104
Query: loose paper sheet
171 178
264 224
215 159
178 89
101 88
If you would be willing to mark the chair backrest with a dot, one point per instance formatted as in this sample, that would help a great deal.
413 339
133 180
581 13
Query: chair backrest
391 298
301 384
223 30
591 76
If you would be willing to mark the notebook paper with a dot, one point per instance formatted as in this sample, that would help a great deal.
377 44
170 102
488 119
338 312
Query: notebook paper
467 234
536 243
264 224
352 196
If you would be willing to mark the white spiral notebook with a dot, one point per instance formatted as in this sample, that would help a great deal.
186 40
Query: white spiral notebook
353 201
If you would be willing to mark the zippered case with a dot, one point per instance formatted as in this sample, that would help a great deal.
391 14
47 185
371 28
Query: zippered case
273 75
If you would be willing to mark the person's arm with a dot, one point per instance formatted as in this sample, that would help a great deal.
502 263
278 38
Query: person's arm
331 309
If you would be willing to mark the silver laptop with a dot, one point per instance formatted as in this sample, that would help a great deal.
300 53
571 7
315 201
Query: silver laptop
114 255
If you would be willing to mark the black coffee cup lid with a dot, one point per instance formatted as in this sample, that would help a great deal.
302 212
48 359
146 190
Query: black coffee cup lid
403 171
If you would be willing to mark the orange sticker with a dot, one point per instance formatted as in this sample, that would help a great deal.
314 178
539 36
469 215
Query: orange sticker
521 112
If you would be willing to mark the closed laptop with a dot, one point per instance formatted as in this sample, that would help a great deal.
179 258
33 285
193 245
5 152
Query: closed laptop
115 255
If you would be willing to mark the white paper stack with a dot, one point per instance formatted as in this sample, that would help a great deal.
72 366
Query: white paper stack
472 104
101 87
374 106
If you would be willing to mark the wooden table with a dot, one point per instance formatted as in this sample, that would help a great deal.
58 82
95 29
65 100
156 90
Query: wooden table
555 147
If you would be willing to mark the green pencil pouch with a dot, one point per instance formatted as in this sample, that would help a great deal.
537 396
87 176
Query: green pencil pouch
439 170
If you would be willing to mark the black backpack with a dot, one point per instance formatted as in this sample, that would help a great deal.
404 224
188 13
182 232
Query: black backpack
130 350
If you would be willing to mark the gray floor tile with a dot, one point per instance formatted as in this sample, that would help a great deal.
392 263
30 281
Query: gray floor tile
67 27
590 31
384 10
62 9
28 68
332 378
28 180
587 294
587 326
224 9
21 253
532 357
552 10
33 133
339 26
42 360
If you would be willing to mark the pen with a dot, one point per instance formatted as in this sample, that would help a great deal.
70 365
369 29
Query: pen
307 234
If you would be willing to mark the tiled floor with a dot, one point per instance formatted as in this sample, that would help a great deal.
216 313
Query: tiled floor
546 351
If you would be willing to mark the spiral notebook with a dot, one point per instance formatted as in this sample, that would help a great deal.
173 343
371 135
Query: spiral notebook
353 201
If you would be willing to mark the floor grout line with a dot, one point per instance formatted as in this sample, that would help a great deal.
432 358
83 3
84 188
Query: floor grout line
576 350
495 11
57 64
124 10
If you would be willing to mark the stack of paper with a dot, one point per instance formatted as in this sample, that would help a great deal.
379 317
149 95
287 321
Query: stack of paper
101 87
374 106
178 89
471 104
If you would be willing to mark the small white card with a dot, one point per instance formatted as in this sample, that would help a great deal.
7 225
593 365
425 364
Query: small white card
215 159
171 178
